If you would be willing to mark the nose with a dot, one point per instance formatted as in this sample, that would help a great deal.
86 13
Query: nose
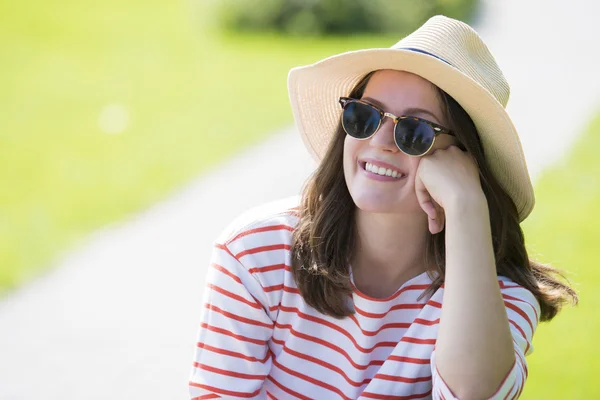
384 137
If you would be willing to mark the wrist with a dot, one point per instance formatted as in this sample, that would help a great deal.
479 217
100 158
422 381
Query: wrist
470 205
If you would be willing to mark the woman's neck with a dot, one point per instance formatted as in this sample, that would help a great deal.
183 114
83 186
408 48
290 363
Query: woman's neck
390 250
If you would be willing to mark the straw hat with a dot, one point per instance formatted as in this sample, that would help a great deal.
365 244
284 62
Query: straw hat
446 52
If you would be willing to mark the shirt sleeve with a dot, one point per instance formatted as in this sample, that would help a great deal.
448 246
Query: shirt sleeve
523 313
232 358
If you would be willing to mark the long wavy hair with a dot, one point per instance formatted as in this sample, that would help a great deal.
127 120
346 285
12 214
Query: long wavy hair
325 237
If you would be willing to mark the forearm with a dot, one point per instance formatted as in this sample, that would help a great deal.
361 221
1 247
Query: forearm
474 349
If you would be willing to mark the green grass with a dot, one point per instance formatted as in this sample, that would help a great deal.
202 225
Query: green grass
563 230
193 98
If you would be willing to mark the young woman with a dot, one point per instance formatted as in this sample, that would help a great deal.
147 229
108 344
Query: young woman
402 273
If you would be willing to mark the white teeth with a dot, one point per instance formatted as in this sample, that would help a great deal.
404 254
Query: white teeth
382 171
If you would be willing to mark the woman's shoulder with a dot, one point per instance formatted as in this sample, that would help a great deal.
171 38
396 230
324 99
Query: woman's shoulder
254 251
256 246
271 221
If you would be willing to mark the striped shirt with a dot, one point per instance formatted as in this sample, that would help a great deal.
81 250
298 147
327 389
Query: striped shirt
258 339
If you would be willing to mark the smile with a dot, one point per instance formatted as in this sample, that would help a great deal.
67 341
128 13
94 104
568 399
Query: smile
382 171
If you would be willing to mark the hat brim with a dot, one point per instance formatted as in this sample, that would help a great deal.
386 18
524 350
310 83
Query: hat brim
315 89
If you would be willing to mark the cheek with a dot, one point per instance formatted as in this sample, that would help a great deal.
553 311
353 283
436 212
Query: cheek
351 147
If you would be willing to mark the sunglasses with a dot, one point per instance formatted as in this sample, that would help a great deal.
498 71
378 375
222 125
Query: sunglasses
413 136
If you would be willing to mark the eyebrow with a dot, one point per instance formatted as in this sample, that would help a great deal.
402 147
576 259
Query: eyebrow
409 111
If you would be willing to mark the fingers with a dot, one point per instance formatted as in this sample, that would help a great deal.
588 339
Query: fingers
424 198
437 225
435 213
436 217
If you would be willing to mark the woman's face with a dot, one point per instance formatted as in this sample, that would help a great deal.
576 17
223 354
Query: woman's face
400 93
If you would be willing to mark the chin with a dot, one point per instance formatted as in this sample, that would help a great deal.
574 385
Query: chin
388 203
376 205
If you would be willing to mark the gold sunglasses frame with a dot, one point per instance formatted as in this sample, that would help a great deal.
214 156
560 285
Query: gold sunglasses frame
437 129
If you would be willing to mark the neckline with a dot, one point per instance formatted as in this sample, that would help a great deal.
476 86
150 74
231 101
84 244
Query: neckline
414 281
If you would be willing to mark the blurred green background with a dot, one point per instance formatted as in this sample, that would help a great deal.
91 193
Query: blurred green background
562 230
107 107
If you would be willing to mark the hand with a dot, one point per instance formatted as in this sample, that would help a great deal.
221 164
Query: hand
445 178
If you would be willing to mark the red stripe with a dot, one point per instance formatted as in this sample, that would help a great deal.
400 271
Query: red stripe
393 378
392 297
272 288
370 395
261 249
434 304
322 363
291 290
233 374
226 272
312 380
233 335
234 296
521 313
417 341
426 322
410 360
233 353
207 397
261 229
287 390
267 268
237 317
226 392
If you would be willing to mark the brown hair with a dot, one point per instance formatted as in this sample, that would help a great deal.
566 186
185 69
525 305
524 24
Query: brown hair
322 243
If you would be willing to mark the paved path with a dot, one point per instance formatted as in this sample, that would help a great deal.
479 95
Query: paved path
118 318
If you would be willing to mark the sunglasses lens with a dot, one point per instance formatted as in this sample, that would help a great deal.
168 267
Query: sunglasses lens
413 137
360 120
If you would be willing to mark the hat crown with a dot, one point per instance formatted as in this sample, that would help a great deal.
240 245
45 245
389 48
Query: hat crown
459 45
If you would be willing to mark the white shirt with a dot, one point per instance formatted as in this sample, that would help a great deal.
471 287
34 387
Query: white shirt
258 339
